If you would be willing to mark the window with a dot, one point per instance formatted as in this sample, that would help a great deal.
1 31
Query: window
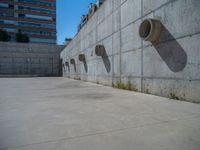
21 15
9 29
37 9
36 2
9 22
38 17
4 5
45 33
51 26
11 6
4 14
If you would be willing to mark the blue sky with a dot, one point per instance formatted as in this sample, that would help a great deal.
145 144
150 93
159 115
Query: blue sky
68 17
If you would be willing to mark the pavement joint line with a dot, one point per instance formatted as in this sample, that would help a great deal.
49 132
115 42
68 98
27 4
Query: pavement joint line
98 133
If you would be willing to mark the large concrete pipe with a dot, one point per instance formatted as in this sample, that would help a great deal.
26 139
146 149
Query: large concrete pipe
150 30
72 61
81 57
99 50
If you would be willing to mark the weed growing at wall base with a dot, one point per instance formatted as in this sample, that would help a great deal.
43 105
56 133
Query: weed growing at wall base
123 86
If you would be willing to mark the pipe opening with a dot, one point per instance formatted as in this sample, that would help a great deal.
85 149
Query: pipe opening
66 63
99 50
145 29
150 30
81 57
72 61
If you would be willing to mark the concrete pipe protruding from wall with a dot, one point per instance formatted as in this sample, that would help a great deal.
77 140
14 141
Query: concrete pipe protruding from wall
92 10
66 63
99 50
72 61
81 57
150 30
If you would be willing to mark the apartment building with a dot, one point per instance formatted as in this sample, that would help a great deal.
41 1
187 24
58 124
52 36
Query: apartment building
36 18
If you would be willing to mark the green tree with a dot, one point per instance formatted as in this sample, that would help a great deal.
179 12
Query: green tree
22 38
4 36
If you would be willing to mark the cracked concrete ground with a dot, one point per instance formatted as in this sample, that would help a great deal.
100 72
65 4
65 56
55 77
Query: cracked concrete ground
63 114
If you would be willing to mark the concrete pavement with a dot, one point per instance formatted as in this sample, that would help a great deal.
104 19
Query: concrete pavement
63 114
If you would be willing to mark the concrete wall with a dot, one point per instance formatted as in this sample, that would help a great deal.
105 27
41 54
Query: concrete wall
30 59
170 68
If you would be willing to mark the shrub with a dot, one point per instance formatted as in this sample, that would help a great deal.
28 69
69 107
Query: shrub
22 38
4 36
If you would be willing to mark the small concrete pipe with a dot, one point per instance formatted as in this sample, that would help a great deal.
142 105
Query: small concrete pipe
92 10
66 63
150 30
72 61
81 57
99 50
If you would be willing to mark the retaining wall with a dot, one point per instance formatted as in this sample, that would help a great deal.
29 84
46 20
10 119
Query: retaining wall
170 68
